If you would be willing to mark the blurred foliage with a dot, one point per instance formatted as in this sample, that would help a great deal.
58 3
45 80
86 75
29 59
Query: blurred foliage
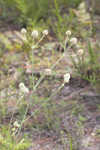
10 142
24 11
69 3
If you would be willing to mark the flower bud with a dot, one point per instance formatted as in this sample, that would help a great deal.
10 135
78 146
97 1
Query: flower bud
35 34
80 52
45 32
48 71
23 89
66 77
68 33
73 41
16 124
23 31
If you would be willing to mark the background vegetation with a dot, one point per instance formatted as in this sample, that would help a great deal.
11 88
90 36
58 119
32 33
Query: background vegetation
48 31
25 11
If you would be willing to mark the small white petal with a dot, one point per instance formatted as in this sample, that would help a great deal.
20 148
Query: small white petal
66 77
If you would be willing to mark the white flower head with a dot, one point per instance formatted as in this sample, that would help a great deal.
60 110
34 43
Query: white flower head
73 41
93 134
68 33
16 124
48 71
35 34
23 88
45 32
66 77
80 52
23 31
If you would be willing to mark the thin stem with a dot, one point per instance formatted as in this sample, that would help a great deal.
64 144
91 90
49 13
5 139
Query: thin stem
32 69
44 102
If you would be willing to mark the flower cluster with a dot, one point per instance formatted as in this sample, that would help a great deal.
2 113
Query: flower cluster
68 33
23 88
34 33
32 39
74 42
77 52
23 31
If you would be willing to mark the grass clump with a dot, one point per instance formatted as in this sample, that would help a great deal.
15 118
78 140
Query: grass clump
8 141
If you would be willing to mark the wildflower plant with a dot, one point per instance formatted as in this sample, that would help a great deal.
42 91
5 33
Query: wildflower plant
85 60
46 105
87 68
